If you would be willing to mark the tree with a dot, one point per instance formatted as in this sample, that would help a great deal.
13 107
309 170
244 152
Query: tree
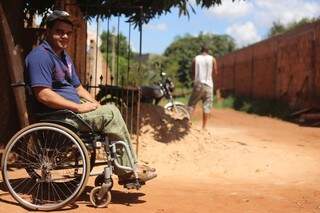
276 29
118 43
180 53
142 69
279 28
114 41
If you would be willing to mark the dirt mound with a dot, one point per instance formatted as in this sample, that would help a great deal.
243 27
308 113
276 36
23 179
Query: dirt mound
172 145
161 126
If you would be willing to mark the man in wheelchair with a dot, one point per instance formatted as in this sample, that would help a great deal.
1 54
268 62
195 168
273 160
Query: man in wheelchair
55 85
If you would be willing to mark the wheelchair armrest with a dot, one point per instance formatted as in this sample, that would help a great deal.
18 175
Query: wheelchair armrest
64 112
53 113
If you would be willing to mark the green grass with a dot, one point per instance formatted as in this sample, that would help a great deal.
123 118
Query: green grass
224 103
263 107
183 99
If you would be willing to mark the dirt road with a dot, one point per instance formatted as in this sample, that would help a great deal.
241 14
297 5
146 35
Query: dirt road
243 163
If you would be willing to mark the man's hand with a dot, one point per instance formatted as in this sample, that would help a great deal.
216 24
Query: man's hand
87 107
83 93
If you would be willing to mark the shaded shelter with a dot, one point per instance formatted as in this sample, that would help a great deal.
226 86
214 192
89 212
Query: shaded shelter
20 16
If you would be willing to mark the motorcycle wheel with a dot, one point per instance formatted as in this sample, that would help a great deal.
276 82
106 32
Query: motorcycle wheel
178 112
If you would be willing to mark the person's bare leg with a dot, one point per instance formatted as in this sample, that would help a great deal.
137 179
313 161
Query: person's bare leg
205 117
191 111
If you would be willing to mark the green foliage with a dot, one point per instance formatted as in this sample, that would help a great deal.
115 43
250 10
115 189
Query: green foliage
33 7
137 11
107 44
278 28
152 68
224 103
140 11
140 73
180 53
119 44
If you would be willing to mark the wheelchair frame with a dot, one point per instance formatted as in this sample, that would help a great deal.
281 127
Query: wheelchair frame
46 165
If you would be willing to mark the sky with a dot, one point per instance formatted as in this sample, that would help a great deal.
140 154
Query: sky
246 21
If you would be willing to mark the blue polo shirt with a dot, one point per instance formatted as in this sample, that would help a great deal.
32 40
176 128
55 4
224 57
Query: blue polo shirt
45 68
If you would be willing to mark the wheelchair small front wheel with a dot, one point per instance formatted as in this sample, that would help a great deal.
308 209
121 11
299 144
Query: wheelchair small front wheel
100 197
100 179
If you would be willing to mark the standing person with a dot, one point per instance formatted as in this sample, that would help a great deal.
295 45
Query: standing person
55 84
204 66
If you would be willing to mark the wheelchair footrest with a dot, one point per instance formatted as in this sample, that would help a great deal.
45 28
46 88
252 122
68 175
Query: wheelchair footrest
132 185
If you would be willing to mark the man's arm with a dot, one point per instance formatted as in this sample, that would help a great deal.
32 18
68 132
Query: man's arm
83 93
214 68
53 100
215 73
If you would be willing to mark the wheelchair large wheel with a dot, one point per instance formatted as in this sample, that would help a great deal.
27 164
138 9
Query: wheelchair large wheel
178 112
45 166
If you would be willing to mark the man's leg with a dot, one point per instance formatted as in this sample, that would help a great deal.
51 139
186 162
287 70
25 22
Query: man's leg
205 118
194 98
108 120
207 105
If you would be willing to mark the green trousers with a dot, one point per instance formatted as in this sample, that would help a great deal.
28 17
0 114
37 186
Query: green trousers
108 119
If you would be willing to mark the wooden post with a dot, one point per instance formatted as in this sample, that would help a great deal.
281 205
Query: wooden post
15 66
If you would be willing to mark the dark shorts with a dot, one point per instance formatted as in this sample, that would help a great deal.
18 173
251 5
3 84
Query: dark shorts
202 92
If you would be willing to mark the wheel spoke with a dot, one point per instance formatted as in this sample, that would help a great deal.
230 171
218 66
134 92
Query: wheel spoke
51 165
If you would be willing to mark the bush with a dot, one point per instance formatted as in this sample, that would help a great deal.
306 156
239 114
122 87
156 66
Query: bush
223 103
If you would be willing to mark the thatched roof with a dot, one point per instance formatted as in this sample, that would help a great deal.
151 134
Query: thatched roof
137 11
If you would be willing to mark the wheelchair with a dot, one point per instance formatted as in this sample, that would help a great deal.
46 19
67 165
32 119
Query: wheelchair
46 165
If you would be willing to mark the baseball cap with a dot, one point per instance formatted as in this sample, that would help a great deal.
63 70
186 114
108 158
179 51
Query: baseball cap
58 15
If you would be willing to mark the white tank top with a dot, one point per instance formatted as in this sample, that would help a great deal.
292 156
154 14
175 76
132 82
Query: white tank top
203 69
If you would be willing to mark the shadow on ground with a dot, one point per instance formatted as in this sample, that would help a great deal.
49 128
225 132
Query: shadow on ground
164 128
118 197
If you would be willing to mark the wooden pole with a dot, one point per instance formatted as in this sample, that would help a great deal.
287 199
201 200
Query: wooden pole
15 67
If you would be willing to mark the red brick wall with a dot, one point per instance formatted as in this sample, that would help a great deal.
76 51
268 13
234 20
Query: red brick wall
316 61
263 68
285 67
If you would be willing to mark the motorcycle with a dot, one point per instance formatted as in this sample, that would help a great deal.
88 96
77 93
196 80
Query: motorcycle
164 88
149 94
